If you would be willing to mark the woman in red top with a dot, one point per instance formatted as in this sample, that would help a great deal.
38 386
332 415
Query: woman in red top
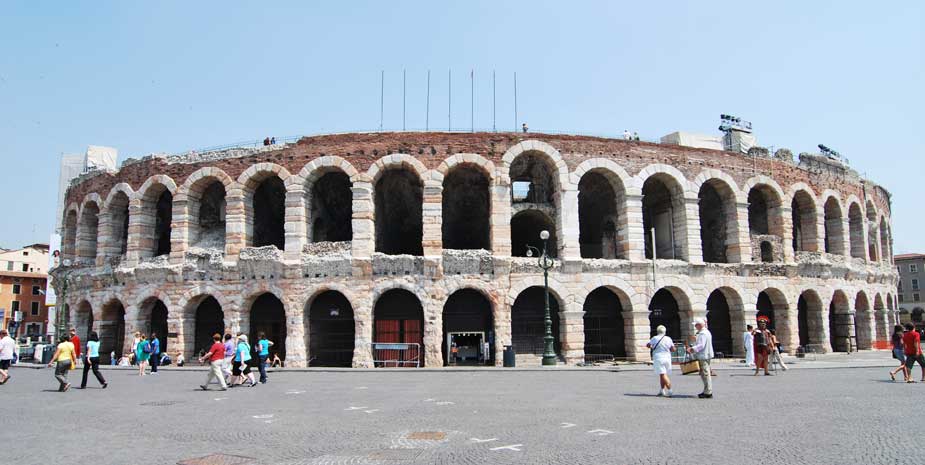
913 351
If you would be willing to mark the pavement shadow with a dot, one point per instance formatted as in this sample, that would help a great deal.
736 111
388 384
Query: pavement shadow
675 396
50 390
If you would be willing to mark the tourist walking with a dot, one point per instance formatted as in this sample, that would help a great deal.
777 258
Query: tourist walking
660 347
229 357
702 350
748 341
913 351
92 361
75 340
263 352
775 351
7 352
64 359
762 349
135 338
216 357
155 352
142 354
898 354
242 355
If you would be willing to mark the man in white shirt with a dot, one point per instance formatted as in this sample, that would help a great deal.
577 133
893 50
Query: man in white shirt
749 341
702 350
7 349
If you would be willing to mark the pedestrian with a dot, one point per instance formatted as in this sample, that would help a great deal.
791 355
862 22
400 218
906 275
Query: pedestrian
775 351
626 134
92 361
702 350
75 339
748 341
263 352
215 356
65 358
266 141
136 337
229 357
180 360
142 353
112 358
524 127
7 351
913 351
762 349
660 347
898 353
155 352
273 140
635 136
242 355
275 361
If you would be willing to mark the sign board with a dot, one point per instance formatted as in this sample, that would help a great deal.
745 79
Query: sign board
392 346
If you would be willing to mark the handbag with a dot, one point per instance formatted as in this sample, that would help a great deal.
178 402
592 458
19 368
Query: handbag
690 365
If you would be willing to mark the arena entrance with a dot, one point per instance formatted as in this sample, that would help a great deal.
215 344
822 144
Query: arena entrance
398 320
720 323
664 310
269 317
331 331
603 322
157 323
112 330
210 319
467 328
528 326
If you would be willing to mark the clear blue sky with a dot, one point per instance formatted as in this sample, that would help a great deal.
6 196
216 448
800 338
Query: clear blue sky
169 76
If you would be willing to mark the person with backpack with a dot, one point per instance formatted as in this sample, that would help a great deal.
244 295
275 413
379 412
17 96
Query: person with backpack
263 352
155 352
762 348
142 353
660 347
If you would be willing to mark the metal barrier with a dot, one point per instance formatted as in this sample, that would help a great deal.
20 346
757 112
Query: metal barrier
396 354
600 359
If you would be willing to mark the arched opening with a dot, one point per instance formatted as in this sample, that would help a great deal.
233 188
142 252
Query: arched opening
118 223
856 230
331 331
841 323
603 321
599 232
528 326
399 203
88 232
83 323
210 319
717 205
269 213
533 180
466 209
663 213
331 208
399 319
873 231
269 317
156 216
809 319
154 318
862 322
834 229
767 252
112 330
525 230
764 222
467 327
885 252
803 211
719 321
664 310
772 306
69 242
765 309
207 215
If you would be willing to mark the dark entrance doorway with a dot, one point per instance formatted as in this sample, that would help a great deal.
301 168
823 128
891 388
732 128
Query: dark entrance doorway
467 326
112 330
158 323
330 331
603 321
269 317
399 318
528 325
765 309
663 310
210 319
719 322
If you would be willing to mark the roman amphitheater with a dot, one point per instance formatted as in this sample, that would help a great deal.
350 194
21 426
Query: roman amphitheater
338 245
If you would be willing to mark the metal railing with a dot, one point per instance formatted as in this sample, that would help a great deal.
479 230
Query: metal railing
396 354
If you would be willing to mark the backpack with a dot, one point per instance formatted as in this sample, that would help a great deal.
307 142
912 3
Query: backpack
147 348
760 339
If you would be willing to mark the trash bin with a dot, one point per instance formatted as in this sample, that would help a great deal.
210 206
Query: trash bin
47 352
508 356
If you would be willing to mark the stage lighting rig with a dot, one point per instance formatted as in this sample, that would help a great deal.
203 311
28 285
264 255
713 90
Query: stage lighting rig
733 123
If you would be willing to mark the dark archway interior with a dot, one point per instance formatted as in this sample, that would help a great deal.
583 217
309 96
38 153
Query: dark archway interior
803 320
525 230
597 217
765 309
833 227
664 310
399 203
118 219
767 252
270 213
533 180
162 217
528 321
758 212
713 221
332 208
466 209
840 323
658 213
112 331
212 216
331 331
856 230
158 323
467 310
719 322
603 319
89 231
269 316
803 214
210 319
399 318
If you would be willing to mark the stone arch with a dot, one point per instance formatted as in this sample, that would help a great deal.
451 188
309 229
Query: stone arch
725 313
398 193
718 199
69 230
330 328
545 150
88 228
484 165
629 298
397 161
664 192
155 215
804 217
204 196
602 209
466 207
856 229
863 315
556 288
772 303
765 215
538 180
326 184
834 225
111 328
264 192
123 188
116 215
671 306
398 316
886 252
811 321
528 322
468 320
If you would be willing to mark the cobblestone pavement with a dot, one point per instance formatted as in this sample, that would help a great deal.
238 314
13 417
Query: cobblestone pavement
822 416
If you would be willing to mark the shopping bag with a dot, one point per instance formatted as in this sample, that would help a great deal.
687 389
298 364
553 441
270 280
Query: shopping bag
689 366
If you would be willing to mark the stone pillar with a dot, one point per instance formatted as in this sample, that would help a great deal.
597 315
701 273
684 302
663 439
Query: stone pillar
363 328
820 230
882 326
296 349
364 234
692 244
179 228
636 334
502 322
819 332
500 221
568 217
294 226
865 323
136 226
572 335
744 236
235 222
846 236
789 339
786 216
432 217
433 333
635 233
105 242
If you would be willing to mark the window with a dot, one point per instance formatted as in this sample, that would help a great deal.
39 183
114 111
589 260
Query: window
915 284
25 253
36 290
17 288
913 268
25 267
35 309
900 287
915 297
9 266
14 306
901 300
34 329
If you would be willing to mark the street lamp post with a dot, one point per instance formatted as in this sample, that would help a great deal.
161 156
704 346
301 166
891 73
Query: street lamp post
545 262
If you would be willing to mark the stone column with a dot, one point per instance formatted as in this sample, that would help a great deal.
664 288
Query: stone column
432 217
364 234
572 335
136 226
786 216
295 225
568 217
635 233
502 322
235 222
789 339
363 328
636 334
501 220
692 243
744 235
296 350
105 246
820 230
179 228
882 326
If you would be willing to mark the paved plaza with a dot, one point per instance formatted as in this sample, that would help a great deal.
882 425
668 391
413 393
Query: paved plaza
823 415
